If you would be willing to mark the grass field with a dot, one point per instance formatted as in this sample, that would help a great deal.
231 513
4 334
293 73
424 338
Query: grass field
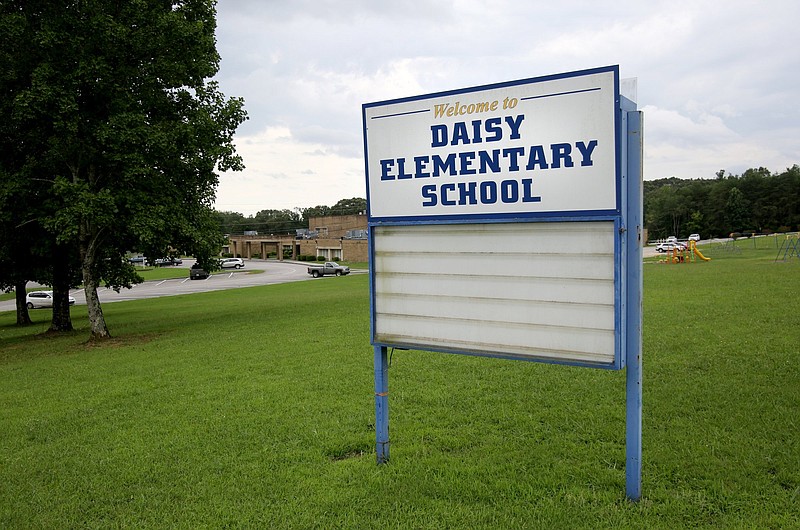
254 408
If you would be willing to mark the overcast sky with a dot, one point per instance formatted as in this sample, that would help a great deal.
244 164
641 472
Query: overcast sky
718 81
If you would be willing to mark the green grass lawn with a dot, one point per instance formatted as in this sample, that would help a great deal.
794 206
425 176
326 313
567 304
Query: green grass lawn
254 408
162 273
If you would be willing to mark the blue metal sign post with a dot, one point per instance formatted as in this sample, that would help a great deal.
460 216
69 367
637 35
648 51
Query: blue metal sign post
382 404
633 350
539 183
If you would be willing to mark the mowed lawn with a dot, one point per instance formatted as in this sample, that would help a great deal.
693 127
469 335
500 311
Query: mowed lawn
254 408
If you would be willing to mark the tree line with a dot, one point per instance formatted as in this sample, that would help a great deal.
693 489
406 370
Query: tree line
112 138
284 221
756 201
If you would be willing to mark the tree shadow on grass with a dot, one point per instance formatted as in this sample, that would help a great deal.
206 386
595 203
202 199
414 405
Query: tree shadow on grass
19 343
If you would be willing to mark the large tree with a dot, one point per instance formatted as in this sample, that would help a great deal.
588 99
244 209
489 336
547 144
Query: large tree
352 206
736 210
131 131
277 221
232 222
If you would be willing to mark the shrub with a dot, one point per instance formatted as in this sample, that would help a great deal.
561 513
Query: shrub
320 258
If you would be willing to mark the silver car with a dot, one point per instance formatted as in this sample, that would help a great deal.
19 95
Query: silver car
231 263
36 299
670 246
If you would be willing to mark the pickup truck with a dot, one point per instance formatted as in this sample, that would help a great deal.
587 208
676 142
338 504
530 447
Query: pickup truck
330 267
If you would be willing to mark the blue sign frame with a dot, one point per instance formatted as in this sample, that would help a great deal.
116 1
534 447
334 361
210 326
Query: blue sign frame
416 105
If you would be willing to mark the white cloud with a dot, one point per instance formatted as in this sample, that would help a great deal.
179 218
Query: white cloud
284 173
717 80
697 145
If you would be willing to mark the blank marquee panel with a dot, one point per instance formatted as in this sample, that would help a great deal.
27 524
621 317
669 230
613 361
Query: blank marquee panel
540 290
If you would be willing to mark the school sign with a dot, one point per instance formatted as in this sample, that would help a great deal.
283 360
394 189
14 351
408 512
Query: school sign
504 221
533 147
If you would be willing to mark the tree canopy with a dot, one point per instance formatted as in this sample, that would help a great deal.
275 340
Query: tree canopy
284 221
756 201
112 114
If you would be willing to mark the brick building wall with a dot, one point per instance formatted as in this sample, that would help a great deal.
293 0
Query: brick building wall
336 249
336 226
330 242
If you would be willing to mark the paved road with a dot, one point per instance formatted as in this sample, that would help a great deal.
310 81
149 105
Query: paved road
273 272
649 252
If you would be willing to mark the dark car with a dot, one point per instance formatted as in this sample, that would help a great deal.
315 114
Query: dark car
198 273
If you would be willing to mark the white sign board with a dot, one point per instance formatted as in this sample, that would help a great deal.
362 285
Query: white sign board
531 147
527 290
495 220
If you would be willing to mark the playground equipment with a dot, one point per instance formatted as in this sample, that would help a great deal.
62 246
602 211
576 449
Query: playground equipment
789 248
693 248
728 246
684 255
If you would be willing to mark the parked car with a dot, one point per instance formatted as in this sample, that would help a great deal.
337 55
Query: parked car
670 246
198 273
168 261
694 237
672 239
137 259
231 263
36 299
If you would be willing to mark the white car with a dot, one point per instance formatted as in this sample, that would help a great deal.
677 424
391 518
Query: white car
36 299
669 247
694 237
231 263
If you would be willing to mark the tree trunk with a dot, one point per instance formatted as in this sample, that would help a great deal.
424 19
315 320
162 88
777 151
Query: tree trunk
96 319
23 318
62 320
88 241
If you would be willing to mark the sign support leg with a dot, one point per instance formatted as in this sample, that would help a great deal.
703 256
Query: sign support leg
633 431
381 404
633 349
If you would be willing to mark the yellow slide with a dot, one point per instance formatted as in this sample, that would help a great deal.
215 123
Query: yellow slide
697 252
